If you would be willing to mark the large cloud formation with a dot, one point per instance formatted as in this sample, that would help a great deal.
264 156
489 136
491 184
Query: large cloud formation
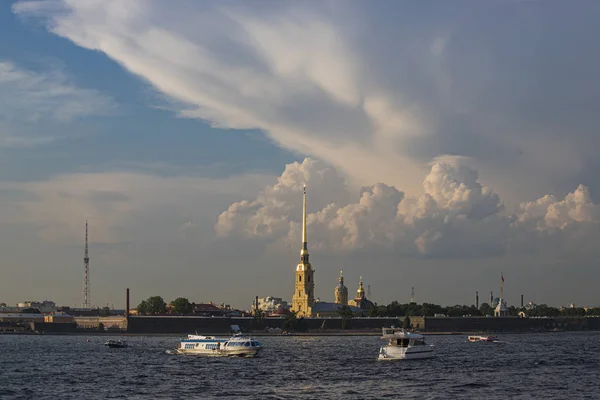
370 89
455 216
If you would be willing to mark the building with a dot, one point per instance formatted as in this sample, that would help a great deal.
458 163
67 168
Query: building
59 318
326 309
270 304
341 292
207 309
303 298
361 301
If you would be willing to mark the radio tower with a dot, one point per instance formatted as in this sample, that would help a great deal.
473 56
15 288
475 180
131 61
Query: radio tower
86 272
412 294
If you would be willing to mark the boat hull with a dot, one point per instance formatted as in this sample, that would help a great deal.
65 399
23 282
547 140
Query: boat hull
397 353
220 352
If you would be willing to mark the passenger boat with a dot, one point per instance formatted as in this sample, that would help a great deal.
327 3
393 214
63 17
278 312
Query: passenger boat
116 344
482 339
237 345
404 345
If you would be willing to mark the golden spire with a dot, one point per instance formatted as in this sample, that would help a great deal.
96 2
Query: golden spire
304 219
342 277
304 251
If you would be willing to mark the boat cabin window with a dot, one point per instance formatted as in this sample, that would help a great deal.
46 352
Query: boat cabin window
418 342
401 342
247 344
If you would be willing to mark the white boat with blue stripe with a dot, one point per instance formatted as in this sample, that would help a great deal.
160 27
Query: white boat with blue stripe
404 345
237 345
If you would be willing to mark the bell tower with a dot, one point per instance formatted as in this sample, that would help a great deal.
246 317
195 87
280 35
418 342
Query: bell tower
341 292
304 296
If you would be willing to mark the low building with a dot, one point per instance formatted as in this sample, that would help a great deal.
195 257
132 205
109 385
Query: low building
270 304
207 309
21 317
59 318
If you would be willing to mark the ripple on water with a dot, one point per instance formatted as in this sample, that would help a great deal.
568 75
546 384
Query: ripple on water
524 366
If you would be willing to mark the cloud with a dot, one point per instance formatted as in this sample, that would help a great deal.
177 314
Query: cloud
28 95
549 213
29 101
121 205
456 216
367 89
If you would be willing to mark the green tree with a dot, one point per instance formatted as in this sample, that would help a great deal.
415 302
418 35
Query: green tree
345 313
181 305
152 306
290 321
142 308
406 322
486 309
30 311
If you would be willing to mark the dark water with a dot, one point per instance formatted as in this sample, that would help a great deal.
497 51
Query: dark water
535 366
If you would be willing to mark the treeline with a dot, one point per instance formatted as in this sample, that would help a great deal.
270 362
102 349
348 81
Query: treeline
155 305
395 309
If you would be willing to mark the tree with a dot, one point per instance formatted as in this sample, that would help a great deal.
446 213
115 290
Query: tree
181 305
30 311
486 309
406 322
152 306
345 313
142 308
290 321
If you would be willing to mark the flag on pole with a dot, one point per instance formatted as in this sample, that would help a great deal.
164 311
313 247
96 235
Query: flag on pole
502 276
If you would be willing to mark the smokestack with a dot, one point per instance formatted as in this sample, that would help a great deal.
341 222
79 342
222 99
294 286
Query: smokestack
127 305
477 300
521 301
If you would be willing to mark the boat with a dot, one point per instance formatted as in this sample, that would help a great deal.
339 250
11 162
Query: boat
116 344
404 345
237 345
476 338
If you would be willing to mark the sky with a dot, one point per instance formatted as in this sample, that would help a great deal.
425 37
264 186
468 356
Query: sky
442 145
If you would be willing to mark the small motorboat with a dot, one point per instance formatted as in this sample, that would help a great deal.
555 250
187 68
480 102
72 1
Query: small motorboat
404 345
116 344
482 339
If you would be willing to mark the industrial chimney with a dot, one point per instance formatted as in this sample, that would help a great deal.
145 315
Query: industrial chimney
127 305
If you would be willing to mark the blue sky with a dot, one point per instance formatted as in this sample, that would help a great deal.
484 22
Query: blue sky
436 140
137 127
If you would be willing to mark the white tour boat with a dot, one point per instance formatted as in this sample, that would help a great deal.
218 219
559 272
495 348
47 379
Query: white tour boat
237 345
482 339
404 345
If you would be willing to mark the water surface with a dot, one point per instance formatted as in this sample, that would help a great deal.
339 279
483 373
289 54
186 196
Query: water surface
528 366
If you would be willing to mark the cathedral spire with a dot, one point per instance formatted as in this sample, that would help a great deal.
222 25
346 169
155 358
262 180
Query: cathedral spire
304 251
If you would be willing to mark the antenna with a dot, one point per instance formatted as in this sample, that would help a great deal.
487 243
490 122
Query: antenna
86 272
412 294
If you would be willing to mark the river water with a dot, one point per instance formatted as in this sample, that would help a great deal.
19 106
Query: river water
527 366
